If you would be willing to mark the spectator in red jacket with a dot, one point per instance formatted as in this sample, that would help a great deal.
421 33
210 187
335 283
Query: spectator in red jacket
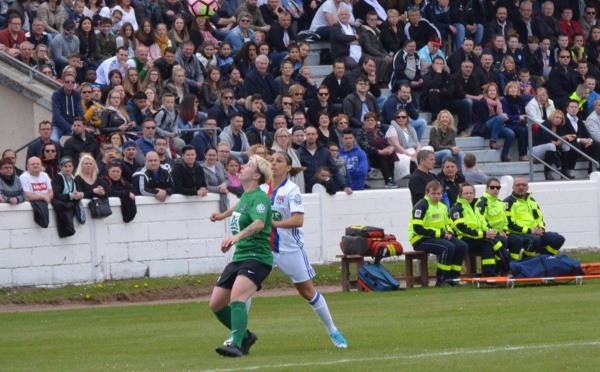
12 36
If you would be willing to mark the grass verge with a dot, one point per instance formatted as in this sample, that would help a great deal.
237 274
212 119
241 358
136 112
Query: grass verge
184 287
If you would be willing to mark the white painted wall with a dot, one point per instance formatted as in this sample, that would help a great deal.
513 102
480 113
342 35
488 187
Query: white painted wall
177 237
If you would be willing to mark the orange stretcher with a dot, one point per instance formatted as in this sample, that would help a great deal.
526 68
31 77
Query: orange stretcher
591 268
510 282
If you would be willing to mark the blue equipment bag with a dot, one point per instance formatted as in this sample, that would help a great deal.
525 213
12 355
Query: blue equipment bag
375 278
544 266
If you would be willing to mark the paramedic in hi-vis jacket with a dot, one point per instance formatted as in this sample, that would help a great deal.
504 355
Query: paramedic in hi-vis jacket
525 219
494 212
430 231
471 228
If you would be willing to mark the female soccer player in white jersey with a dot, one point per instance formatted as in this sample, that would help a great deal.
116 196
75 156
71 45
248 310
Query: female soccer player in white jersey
287 240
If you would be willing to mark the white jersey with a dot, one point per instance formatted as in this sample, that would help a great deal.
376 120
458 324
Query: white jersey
285 200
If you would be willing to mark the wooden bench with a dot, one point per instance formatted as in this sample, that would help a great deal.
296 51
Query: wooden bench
423 277
471 264
347 260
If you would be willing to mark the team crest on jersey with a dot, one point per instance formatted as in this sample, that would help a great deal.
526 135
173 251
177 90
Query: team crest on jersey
298 199
261 208
418 213
279 199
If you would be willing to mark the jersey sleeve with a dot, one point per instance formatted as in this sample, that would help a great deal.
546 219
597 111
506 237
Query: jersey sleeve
295 201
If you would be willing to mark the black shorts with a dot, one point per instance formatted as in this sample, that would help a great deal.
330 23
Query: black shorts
254 270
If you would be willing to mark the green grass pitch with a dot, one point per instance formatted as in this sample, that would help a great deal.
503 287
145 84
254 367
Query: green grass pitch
533 328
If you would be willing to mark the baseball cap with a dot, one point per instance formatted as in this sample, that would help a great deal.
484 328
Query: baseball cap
434 40
129 143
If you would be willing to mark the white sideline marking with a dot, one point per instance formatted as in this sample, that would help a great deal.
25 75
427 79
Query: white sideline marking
411 356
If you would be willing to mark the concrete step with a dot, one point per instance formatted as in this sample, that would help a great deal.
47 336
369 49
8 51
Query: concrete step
320 71
495 169
522 167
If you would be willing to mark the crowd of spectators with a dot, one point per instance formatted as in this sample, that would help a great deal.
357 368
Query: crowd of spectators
179 103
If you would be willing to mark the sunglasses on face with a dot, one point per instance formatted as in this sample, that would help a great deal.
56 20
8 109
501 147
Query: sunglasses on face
323 94
286 103
495 187
401 117
69 81
50 151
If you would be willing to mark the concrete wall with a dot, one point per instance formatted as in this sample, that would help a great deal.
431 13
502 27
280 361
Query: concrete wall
23 106
177 237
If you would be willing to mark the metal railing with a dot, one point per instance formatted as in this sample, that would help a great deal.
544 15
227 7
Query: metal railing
556 136
34 75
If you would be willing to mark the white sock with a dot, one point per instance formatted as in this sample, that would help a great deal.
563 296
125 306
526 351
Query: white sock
319 305
248 304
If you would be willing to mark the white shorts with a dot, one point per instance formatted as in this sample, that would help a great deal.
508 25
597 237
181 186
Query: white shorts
295 265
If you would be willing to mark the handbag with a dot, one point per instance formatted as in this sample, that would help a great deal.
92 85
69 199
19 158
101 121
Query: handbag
80 212
100 208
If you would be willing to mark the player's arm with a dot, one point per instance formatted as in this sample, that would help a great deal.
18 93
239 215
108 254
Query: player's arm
297 220
254 228
221 216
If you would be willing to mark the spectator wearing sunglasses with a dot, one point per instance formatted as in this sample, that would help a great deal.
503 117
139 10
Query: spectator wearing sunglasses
494 212
64 44
66 105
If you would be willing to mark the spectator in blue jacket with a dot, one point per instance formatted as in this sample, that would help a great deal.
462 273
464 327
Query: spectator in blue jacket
355 159
313 156
66 105
138 110
146 142
403 100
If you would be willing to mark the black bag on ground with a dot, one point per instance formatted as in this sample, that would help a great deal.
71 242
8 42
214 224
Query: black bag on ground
375 278
100 208
544 266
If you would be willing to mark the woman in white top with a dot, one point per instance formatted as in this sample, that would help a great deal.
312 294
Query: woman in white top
282 141
405 141
128 13
287 238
